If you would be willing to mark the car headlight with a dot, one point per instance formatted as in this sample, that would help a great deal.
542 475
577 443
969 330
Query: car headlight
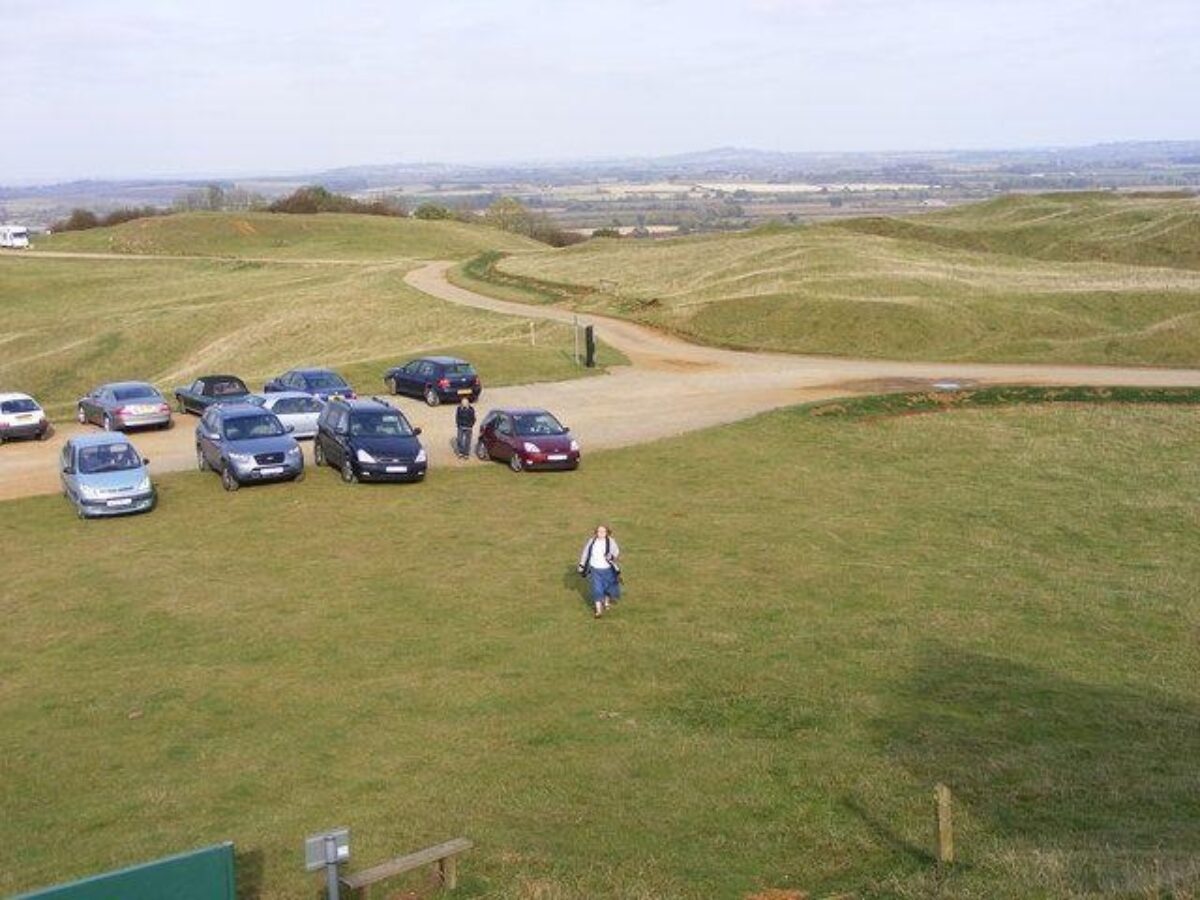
575 446
364 456
293 452
241 459
420 457
89 493
143 486
532 448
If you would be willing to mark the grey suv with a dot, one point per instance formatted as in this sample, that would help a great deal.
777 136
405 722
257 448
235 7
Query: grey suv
246 443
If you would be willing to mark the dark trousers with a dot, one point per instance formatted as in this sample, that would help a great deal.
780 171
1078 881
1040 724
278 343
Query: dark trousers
464 440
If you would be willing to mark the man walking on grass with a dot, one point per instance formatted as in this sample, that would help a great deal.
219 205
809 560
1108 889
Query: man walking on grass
464 418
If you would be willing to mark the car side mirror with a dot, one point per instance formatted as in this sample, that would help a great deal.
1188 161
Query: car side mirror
145 460
416 430
289 428
566 430
212 436
67 470
342 431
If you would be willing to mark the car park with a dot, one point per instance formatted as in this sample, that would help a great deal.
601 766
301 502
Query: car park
246 443
435 379
369 440
21 417
207 390
527 439
124 404
296 410
322 383
104 475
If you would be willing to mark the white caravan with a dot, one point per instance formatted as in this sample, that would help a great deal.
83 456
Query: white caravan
15 237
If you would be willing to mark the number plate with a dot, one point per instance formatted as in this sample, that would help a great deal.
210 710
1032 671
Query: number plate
27 417
396 469
271 470
123 502
556 457
464 391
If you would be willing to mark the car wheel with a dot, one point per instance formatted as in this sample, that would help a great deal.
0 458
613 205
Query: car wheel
348 475
318 453
108 423
181 406
481 451
46 434
516 463
299 476
431 397
201 462
167 425
80 416
395 386
80 513
229 480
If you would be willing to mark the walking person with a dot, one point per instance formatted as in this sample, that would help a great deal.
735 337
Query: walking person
598 563
464 418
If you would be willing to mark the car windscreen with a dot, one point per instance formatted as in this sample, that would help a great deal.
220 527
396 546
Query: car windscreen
136 392
18 406
226 388
245 428
107 458
529 424
323 381
379 424
460 369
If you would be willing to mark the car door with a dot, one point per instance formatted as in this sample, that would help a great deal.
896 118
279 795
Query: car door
503 447
67 470
404 376
209 438
341 435
90 406
193 400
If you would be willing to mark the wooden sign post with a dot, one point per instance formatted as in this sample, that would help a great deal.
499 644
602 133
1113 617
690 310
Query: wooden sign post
945 825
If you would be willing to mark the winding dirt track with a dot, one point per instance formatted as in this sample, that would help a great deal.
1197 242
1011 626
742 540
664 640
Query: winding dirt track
670 387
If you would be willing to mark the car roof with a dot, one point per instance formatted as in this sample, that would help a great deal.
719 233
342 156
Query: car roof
285 395
235 410
13 395
519 410
312 370
99 439
113 385
364 403
443 360
220 378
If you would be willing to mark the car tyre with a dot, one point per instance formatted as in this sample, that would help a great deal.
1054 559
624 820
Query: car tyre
80 416
201 462
180 405
299 476
431 397
395 386
516 463
348 475
108 423
481 451
80 513
46 433
229 480
318 453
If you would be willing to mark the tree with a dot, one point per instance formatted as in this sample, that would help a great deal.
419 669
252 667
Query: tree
433 211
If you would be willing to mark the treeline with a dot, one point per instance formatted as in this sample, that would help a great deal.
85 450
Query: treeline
308 200
83 219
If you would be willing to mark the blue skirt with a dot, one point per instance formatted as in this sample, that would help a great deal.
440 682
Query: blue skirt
604 584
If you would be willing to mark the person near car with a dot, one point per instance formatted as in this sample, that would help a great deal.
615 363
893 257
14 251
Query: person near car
598 563
464 417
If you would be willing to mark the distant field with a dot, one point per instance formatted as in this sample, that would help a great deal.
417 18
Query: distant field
1002 600
1091 279
69 324
275 235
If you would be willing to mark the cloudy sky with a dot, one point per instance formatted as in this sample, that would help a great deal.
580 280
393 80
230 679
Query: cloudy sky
126 88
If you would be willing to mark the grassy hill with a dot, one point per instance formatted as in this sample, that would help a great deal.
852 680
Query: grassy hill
68 324
276 235
1048 278
768 709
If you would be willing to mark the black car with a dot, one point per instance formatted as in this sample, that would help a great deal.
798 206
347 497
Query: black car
321 383
434 379
209 389
368 440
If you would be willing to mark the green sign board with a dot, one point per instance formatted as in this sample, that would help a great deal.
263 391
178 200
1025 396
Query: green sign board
200 875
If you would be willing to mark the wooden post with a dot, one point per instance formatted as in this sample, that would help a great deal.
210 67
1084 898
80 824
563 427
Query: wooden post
532 335
945 825
448 870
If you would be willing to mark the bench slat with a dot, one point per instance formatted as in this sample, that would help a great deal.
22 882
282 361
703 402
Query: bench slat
406 863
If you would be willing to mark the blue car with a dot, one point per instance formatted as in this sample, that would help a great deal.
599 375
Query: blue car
245 444
104 475
321 383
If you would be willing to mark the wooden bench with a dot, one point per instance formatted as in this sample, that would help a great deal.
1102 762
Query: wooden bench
445 855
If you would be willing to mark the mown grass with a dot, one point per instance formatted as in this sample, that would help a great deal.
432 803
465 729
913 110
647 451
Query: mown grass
278 235
1022 279
69 324
1000 599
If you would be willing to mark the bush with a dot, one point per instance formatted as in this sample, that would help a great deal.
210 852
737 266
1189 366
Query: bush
606 233
83 219
316 199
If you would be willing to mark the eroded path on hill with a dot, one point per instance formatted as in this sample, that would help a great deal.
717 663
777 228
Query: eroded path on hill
669 388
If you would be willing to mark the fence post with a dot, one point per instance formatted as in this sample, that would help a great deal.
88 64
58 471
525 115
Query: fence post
945 825
532 334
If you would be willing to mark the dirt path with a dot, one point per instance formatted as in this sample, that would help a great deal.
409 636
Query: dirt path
669 388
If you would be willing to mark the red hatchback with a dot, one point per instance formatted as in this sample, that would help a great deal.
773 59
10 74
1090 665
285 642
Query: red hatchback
527 439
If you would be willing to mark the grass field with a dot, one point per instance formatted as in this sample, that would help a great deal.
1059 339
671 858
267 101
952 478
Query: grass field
1091 279
69 324
1003 600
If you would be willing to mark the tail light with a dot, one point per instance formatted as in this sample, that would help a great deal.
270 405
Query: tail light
124 411
163 408
443 382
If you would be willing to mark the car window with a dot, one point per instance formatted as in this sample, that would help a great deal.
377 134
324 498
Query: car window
197 387
384 423
460 369
107 458
284 406
244 428
226 388
427 370
531 424
308 405
323 381
503 425
135 392
18 406
412 367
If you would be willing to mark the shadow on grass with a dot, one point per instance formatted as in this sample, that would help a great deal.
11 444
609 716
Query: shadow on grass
575 584
1104 777
249 867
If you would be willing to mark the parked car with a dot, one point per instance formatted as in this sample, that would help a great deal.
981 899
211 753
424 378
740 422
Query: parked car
527 439
434 379
124 404
246 443
209 389
322 383
104 475
21 417
296 410
369 440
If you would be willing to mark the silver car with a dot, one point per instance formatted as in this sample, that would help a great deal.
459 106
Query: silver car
294 408
245 443
104 475
124 404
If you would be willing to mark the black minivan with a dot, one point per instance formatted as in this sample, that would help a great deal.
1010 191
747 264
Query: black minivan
368 440
434 379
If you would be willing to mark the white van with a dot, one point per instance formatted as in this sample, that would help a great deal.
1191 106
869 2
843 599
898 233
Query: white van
15 237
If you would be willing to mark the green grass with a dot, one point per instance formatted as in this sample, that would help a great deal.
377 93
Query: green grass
69 324
277 235
1001 599
1044 278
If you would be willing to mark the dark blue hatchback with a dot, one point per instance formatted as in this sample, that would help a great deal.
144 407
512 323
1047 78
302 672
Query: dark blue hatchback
435 379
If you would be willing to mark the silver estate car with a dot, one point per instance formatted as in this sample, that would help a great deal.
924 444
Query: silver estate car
104 475
124 404
245 443
294 408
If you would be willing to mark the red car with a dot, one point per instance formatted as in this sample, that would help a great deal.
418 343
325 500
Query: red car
527 439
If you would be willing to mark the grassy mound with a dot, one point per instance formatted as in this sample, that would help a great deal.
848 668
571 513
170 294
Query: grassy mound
980 283
1003 600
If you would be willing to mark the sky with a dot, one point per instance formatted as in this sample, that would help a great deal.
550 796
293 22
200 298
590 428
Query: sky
118 88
